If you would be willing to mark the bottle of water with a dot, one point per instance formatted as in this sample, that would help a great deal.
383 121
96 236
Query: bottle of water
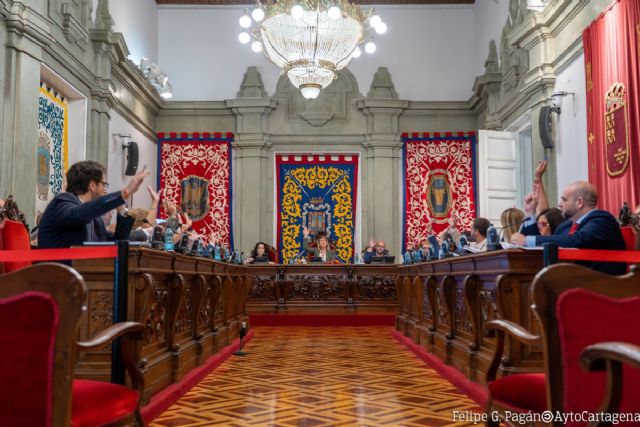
217 253
356 259
168 239
407 257
199 250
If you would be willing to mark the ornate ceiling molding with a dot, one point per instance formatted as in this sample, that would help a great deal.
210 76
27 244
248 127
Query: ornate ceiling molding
232 2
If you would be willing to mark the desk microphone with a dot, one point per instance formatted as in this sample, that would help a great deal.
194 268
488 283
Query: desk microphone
492 238
295 258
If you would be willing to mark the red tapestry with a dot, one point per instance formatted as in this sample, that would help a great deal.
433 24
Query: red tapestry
194 174
612 57
439 173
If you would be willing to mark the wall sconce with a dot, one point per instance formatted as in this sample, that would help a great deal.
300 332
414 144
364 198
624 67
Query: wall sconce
537 5
556 100
156 77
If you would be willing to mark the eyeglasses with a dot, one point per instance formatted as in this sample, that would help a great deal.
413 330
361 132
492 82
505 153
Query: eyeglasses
106 184
543 224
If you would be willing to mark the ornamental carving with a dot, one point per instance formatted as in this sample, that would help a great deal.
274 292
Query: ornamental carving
204 315
463 322
157 318
315 288
263 288
376 287
426 305
443 316
183 321
101 304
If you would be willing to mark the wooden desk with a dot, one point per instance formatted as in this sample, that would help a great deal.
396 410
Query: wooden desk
192 307
322 287
444 305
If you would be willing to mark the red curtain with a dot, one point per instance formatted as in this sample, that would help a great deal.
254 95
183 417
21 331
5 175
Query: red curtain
611 56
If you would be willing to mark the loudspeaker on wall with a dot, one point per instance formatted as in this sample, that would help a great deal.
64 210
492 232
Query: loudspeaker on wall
132 159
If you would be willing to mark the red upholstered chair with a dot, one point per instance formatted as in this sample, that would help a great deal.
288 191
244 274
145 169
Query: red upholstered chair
40 310
576 307
629 236
610 357
14 237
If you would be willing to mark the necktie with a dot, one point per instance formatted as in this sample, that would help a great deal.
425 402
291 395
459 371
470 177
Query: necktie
573 228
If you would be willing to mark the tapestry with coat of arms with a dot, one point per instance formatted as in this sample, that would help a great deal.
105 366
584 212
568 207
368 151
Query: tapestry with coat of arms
439 174
52 150
194 174
318 192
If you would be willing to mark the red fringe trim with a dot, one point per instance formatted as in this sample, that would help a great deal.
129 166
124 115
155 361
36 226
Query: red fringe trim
194 135
419 135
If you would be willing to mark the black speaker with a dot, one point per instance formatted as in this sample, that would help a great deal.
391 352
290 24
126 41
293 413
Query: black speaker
545 125
132 159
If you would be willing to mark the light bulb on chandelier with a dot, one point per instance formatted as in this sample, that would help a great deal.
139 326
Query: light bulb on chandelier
257 14
245 21
312 40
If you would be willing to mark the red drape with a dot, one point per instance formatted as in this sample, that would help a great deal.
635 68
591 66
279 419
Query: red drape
611 54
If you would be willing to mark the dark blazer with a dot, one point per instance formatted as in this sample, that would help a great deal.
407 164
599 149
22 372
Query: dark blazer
530 230
66 221
599 230
331 255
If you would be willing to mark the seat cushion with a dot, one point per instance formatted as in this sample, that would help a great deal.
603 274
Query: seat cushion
522 392
97 403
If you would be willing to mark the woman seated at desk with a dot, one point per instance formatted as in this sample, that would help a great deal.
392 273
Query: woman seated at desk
258 253
322 247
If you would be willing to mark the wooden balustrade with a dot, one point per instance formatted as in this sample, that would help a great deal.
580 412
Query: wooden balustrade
192 307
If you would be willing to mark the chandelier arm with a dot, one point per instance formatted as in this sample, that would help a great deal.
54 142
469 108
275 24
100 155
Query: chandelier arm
266 35
315 46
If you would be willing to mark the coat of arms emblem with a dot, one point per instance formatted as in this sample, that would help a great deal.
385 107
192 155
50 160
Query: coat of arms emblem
616 136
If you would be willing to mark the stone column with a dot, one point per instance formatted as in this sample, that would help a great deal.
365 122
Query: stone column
252 188
26 32
381 214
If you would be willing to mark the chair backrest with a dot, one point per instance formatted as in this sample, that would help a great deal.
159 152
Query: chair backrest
578 306
15 237
629 236
40 309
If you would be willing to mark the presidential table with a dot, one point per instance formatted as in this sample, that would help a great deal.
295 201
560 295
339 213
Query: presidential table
192 307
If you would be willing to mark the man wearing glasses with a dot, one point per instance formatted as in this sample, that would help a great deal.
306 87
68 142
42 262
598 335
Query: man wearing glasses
74 217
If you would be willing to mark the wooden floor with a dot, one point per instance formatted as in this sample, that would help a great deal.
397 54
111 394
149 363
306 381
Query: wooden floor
313 377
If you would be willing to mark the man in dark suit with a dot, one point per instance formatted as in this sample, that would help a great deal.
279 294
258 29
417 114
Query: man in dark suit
585 228
75 217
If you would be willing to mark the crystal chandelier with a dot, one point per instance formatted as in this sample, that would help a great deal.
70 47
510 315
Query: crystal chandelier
310 39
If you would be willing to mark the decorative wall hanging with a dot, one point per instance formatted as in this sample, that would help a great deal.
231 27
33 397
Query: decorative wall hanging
318 192
52 149
194 174
439 174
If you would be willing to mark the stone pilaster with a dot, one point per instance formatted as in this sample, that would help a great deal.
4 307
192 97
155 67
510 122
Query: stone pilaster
253 189
381 193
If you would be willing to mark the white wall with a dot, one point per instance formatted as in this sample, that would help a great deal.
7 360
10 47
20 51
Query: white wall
138 21
489 19
428 50
571 132
147 156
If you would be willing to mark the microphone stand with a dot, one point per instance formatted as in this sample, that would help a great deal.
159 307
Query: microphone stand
243 333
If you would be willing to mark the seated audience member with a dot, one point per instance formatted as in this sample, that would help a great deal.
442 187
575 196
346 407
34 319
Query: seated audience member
322 247
74 217
548 221
380 250
586 227
535 202
145 219
479 229
260 250
511 219
371 247
452 230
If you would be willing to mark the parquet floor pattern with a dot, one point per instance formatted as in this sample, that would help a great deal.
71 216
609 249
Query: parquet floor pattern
317 377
